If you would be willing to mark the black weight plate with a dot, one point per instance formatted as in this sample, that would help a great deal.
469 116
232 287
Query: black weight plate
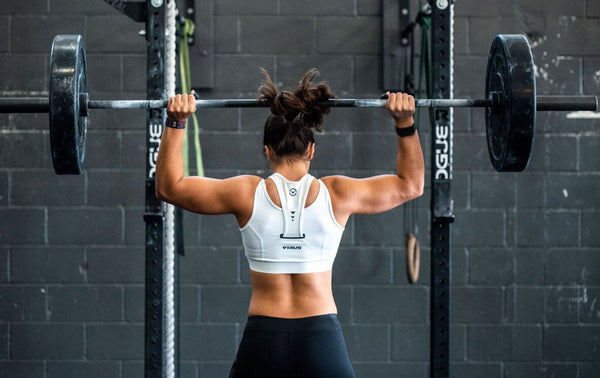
67 126
510 122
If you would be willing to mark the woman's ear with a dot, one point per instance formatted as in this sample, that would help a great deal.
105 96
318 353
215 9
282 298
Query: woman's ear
311 151
268 152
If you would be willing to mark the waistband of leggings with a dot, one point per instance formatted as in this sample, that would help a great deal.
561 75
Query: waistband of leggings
327 322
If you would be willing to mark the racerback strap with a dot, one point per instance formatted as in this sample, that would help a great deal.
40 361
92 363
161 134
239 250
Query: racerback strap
292 195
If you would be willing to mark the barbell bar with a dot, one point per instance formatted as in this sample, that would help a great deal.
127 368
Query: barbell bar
543 103
510 101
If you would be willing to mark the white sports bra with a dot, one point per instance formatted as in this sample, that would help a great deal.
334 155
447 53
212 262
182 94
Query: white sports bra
291 238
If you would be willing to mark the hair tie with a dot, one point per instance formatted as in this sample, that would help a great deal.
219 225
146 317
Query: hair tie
280 96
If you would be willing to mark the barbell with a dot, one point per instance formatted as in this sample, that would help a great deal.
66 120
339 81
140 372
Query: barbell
510 100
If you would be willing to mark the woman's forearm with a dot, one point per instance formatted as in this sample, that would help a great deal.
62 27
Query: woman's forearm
169 165
409 161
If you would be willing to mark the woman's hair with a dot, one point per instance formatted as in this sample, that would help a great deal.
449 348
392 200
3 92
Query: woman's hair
288 130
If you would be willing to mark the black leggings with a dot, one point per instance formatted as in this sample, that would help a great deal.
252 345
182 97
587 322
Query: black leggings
307 347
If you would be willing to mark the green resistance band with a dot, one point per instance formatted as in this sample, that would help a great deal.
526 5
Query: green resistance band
186 31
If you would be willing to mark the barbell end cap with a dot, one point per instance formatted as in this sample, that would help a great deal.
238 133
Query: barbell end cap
84 99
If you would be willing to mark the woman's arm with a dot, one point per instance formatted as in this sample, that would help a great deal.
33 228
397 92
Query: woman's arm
197 194
382 193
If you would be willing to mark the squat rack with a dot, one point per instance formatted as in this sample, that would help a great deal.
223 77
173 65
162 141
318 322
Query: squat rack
152 12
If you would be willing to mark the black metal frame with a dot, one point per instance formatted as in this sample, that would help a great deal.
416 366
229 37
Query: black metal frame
442 205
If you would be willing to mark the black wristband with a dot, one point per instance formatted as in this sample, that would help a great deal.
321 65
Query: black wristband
405 131
175 124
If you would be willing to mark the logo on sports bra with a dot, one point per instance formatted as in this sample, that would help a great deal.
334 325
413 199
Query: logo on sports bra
293 192
292 247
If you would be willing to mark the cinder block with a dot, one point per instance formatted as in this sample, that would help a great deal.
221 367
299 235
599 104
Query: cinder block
563 228
343 302
4 354
589 313
363 266
576 33
112 187
103 150
477 305
527 304
224 304
562 304
4 36
471 153
218 342
395 304
334 72
540 370
214 369
28 121
511 343
28 369
531 191
477 369
19 7
283 35
123 38
227 34
85 226
86 7
228 120
383 229
491 267
374 151
390 369
82 369
589 160
23 303
12 68
22 226
332 152
85 303
134 73
38 341
530 227
4 188
133 369
46 188
104 73
100 265
410 343
106 342
529 266
369 8
134 150
590 236
491 8
135 304
571 343
469 75
462 190
120 119
241 74
367 342
588 370
220 230
209 265
135 227
591 84
573 266
247 145
557 75
368 75
44 28
245 7
492 190
349 35
560 152
318 8
488 28
189 304
47 264
479 228
13 144
4 264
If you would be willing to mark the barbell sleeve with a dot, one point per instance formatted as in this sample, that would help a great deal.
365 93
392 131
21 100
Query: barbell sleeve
24 105
567 103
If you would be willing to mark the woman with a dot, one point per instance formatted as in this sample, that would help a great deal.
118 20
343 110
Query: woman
291 225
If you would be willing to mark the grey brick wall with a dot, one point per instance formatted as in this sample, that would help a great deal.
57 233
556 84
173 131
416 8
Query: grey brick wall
526 267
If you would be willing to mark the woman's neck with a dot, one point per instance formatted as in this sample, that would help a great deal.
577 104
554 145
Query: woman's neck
292 170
